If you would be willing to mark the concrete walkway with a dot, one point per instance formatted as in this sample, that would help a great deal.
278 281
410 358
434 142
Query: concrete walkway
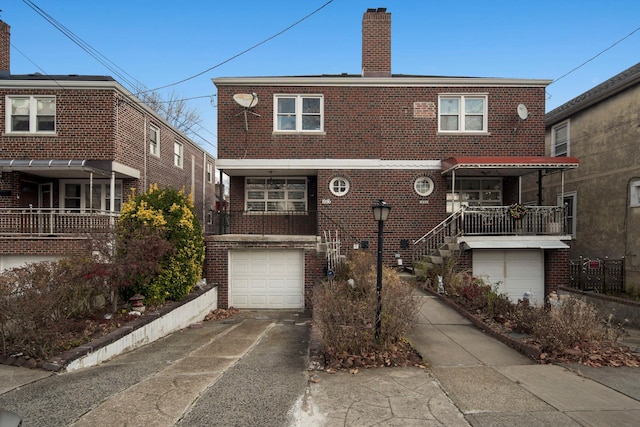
493 385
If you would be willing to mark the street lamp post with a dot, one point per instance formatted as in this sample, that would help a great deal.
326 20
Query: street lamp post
380 214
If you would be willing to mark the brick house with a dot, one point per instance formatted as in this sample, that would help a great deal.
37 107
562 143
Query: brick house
71 149
307 157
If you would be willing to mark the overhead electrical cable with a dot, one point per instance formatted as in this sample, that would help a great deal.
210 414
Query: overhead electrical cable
246 50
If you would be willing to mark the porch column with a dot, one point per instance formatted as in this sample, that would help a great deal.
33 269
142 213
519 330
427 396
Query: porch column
112 199
91 192
453 191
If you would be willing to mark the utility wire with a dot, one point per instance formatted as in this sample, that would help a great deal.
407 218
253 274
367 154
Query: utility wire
594 57
244 51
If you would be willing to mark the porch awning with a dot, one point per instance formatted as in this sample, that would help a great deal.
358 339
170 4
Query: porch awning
505 166
67 168
515 243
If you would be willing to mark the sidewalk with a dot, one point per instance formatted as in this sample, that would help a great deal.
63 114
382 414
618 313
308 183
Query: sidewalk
473 379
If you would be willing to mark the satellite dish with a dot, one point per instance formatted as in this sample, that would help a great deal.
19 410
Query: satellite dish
246 100
522 111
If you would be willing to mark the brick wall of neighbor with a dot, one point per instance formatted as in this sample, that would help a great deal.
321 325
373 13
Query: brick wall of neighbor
556 269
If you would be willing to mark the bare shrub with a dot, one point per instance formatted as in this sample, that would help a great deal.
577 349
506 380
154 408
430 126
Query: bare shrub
564 326
345 309
37 300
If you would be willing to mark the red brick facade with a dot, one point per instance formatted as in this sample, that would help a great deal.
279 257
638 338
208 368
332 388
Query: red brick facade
98 121
383 132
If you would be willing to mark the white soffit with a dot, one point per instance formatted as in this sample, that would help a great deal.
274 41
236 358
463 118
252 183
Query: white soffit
516 244
309 166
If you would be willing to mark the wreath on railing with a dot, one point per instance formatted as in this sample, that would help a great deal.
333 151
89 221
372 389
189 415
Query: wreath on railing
517 211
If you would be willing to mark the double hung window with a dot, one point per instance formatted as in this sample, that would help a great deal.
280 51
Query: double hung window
462 113
276 194
178 154
31 114
560 140
154 141
298 113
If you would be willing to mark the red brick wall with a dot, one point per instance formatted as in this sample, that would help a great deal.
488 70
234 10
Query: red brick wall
379 123
556 269
376 44
5 51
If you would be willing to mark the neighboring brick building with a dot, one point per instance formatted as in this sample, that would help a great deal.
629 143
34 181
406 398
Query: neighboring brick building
71 149
308 156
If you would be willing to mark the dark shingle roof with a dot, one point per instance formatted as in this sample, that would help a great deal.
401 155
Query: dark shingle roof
69 78
614 85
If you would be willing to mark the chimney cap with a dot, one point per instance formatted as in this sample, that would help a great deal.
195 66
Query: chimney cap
378 10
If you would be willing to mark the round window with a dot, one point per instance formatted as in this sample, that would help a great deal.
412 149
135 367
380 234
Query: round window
423 186
339 186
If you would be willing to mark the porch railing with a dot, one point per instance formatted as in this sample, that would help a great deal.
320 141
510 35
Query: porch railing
54 222
537 220
278 223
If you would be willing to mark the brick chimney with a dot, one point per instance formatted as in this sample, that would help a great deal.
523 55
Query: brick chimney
5 49
376 43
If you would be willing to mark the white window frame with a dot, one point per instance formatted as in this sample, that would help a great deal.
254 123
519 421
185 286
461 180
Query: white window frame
178 154
100 186
209 173
554 142
339 186
418 184
298 113
154 144
274 185
571 197
634 195
32 112
464 197
462 114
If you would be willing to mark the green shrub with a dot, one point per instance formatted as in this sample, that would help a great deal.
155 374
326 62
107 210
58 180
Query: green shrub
170 214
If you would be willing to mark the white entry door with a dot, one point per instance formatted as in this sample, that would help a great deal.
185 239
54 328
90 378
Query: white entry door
517 270
266 279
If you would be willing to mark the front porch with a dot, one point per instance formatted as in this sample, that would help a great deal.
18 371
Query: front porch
54 222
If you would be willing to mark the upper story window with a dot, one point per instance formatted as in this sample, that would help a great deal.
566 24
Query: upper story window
276 194
634 194
560 139
31 114
209 173
298 113
178 154
462 113
154 141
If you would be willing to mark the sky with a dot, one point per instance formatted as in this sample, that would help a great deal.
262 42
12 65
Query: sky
157 43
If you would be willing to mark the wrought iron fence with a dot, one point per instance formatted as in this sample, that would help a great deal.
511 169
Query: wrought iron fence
602 275
53 222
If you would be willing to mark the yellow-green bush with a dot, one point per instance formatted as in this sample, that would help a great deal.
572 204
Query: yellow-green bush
170 214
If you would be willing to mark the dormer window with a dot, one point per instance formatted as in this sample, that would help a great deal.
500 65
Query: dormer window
30 114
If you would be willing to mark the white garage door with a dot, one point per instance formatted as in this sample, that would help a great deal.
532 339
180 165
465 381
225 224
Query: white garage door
518 271
8 262
266 279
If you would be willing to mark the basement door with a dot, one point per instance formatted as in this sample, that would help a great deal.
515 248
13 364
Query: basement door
517 270
266 279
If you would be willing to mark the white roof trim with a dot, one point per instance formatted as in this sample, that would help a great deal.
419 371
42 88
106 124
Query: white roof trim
285 164
355 81
517 242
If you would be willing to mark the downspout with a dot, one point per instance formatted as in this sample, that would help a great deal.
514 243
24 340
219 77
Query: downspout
144 150
540 187
204 190
519 189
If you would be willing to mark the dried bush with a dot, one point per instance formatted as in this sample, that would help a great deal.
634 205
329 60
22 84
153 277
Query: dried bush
38 300
345 309
564 326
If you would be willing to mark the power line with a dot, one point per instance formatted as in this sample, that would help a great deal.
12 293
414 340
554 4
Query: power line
244 51
597 55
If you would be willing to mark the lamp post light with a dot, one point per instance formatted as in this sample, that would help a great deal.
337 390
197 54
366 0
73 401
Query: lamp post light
380 214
